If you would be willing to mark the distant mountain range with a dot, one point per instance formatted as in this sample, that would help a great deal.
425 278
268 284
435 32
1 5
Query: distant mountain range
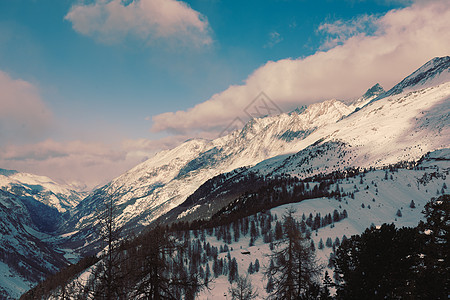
32 208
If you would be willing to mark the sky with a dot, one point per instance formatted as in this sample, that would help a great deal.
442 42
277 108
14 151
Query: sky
91 88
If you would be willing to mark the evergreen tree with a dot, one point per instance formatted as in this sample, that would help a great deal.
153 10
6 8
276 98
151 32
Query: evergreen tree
278 231
250 268
233 273
321 244
379 264
107 281
293 266
435 280
256 265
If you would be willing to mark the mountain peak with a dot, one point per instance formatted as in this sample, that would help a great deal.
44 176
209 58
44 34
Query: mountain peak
434 72
298 110
375 90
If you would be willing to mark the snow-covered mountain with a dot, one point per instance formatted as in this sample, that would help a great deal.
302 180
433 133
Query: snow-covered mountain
396 128
40 188
394 195
202 179
368 96
433 73
379 128
26 256
166 180
31 208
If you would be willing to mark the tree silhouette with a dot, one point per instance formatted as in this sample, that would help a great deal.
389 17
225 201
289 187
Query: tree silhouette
293 268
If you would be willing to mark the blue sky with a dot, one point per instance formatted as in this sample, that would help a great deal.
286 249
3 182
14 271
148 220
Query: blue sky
111 88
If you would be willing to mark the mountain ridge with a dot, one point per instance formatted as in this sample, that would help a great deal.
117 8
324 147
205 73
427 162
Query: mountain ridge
163 182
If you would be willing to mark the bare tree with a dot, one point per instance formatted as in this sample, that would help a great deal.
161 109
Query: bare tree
243 289
160 271
106 281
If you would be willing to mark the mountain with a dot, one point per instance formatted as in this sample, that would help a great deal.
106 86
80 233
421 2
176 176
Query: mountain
40 188
433 73
163 182
397 128
330 207
385 132
32 208
26 254
371 94
388 128
370 157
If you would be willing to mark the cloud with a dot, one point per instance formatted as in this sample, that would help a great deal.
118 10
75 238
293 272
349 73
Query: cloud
49 149
92 163
274 38
398 42
111 21
341 30
77 161
23 114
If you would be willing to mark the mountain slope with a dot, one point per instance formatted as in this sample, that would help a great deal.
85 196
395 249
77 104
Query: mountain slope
326 136
25 257
32 207
394 195
41 188
433 73
166 180
396 128
322 151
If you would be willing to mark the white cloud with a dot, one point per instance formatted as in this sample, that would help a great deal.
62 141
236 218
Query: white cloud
274 38
341 30
401 41
112 21
23 114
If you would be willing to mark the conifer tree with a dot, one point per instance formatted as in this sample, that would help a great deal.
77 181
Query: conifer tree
293 269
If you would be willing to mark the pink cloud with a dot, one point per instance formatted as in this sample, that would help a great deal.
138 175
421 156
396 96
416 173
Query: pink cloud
23 114
401 41
90 162
112 20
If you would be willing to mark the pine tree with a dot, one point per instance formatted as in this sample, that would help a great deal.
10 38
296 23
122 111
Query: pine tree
278 231
321 244
293 267
233 273
256 265
435 279
250 268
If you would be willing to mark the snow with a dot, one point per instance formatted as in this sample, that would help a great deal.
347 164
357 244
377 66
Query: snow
398 128
167 179
392 195
60 196
12 283
404 123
